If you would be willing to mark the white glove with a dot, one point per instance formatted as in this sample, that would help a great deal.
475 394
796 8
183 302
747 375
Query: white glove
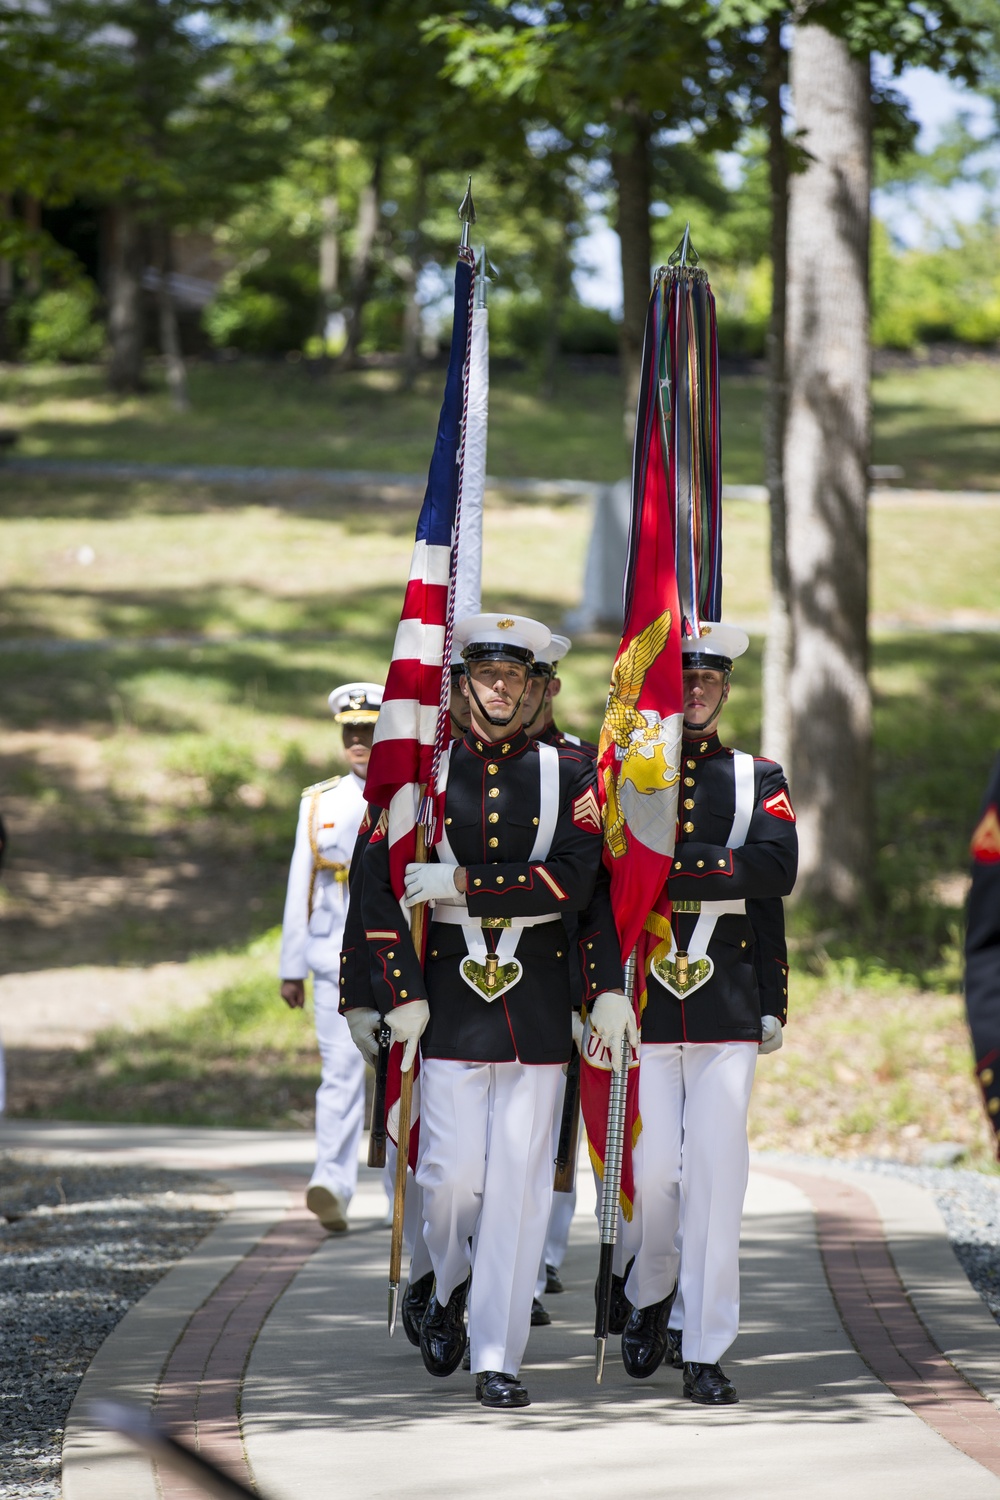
771 1034
431 883
364 1025
612 1019
578 1031
407 1024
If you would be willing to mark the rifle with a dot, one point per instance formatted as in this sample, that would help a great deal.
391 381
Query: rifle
376 1125
569 1130
614 1146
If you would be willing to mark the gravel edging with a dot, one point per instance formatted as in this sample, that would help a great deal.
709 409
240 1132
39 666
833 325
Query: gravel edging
79 1245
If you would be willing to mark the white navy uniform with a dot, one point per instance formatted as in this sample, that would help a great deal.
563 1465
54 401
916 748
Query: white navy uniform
312 933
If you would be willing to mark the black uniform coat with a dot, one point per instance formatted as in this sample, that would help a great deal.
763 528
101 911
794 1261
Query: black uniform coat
356 988
491 817
750 977
982 950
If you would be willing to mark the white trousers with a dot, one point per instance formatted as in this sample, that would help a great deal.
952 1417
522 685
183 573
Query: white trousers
692 1158
413 1215
340 1098
563 1208
485 1169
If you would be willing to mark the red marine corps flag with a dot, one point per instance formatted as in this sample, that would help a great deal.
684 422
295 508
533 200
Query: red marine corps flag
672 582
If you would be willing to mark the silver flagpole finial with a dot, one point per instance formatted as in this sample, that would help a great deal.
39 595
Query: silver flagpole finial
467 214
685 255
485 272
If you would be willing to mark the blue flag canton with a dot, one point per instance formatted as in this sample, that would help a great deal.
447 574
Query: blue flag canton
437 514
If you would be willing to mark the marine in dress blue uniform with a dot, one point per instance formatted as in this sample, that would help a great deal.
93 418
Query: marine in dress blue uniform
716 997
521 846
312 929
982 951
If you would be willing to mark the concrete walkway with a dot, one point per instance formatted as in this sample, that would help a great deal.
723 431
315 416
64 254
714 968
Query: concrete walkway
866 1365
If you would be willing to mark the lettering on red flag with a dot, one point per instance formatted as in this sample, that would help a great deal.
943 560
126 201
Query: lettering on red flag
985 847
780 806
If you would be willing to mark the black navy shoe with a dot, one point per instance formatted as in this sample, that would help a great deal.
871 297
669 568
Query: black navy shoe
500 1391
414 1305
553 1283
707 1385
539 1316
673 1355
644 1341
621 1307
442 1333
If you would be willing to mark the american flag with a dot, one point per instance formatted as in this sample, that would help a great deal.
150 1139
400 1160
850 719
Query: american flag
412 731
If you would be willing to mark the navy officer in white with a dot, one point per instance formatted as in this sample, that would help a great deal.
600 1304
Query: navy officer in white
312 931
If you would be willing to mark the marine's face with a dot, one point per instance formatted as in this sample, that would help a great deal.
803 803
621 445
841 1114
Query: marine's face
358 746
458 708
705 691
534 693
499 686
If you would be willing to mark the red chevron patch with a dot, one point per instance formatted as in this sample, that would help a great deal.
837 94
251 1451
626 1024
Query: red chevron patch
985 846
587 813
780 806
381 827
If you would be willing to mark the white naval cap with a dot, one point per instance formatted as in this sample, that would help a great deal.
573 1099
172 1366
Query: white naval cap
557 649
356 702
718 645
502 638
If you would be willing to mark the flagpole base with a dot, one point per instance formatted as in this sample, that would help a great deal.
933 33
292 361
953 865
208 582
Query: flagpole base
393 1306
599 1363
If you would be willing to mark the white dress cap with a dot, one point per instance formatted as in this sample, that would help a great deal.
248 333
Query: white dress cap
356 702
724 641
524 639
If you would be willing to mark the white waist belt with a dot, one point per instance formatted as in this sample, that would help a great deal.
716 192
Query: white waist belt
457 916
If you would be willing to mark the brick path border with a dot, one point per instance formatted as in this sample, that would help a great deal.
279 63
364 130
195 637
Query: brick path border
880 1321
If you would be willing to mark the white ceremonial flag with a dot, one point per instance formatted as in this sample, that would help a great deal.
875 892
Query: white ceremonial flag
469 562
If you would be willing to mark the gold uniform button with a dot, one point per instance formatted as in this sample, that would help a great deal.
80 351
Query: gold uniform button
689 828
535 822
689 781
493 843
593 966
677 864
743 942
403 995
522 878
701 864
722 864
477 882
986 1077
390 955
689 803
493 768
494 817
397 973
558 953
494 791
448 822
994 1106
690 764
434 953
499 880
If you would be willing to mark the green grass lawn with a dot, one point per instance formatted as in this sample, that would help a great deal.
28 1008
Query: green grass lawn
940 424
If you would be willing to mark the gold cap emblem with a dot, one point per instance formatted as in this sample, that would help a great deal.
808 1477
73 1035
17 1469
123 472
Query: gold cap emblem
706 630
505 624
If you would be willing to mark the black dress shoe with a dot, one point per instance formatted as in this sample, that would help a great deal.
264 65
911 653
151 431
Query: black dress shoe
493 1388
442 1333
644 1341
673 1355
553 1284
414 1305
621 1307
707 1385
539 1316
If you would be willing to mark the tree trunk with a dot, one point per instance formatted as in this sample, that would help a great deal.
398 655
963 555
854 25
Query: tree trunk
363 261
826 461
6 286
630 165
329 266
170 342
414 261
33 223
775 732
125 330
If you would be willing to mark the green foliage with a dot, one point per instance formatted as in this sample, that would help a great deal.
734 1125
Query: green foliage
920 296
63 326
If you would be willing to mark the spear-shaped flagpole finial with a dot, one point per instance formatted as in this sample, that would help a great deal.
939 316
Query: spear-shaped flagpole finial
467 214
485 272
685 255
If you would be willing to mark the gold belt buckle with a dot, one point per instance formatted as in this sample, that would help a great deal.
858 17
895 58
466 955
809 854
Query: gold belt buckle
494 924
